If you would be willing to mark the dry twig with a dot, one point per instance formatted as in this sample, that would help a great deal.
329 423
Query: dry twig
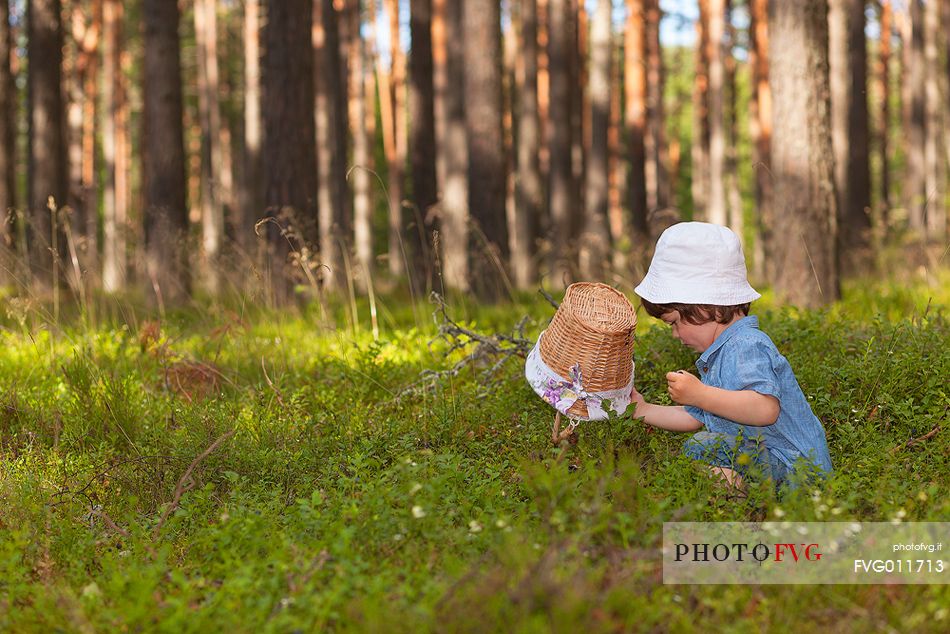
186 483
492 350
919 439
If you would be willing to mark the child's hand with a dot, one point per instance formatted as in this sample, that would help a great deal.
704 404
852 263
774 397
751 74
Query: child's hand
684 388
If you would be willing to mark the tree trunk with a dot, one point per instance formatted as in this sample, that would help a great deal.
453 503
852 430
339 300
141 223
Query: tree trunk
561 175
422 142
761 130
847 52
455 217
802 161
529 190
657 183
391 90
212 196
618 220
730 122
79 62
635 116
580 111
47 159
440 82
90 227
289 159
935 210
331 124
251 192
716 212
7 149
884 123
361 109
915 192
114 204
486 165
699 154
595 240
945 17
544 109
163 154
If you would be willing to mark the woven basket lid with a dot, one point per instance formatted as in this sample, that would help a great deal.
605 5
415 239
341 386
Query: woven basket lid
593 327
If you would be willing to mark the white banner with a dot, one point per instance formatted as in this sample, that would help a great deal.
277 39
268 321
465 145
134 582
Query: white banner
806 552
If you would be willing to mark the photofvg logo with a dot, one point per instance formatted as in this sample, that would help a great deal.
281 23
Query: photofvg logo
748 552
804 552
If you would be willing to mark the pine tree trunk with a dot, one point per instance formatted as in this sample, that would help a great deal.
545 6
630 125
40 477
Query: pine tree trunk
561 176
89 230
717 212
440 82
656 177
935 211
123 155
163 154
699 153
529 190
331 123
849 118
580 113
544 111
422 142
618 220
7 149
595 240
392 86
113 256
289 159
251 192
362 108
47 150
635 117
761 131
802 161
915 193
884 122
484 132
455 217
945 17
81 35
212 196
730 120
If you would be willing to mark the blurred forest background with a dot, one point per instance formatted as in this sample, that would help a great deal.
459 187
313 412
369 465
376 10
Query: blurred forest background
291 147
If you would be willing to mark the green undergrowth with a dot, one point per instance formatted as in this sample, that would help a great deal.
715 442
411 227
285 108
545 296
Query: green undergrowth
340 504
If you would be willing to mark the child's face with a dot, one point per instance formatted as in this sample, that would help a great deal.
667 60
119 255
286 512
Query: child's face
695 336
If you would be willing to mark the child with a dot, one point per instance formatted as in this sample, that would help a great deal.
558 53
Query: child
748 399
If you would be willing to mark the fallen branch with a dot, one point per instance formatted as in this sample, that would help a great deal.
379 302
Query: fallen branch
109 522
271 384
185 483
493 350
919 439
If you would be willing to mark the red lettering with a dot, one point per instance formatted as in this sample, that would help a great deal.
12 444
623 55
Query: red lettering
779 548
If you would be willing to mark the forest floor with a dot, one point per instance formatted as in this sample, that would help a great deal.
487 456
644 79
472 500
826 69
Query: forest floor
239 469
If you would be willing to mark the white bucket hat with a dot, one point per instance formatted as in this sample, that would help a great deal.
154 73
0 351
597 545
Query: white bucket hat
697 263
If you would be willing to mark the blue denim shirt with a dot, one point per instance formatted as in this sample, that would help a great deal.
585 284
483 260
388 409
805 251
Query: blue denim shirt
744 358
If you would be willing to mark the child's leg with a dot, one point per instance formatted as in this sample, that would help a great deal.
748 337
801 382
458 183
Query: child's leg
729 476
720 452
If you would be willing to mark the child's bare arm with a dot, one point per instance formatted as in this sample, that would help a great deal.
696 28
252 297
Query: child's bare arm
745 407
669 417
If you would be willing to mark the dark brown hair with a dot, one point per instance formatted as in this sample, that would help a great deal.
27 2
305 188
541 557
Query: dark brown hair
697 314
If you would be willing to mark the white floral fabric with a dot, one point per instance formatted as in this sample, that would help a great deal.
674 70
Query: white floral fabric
562 392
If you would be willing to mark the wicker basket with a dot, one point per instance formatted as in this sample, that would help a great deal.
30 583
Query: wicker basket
594 326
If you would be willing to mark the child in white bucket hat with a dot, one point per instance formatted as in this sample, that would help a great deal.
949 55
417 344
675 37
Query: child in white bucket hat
747 401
